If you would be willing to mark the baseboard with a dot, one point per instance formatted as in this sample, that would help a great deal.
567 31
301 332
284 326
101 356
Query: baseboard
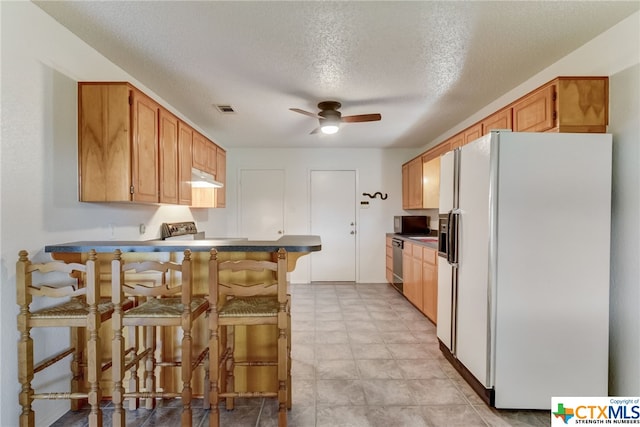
486 394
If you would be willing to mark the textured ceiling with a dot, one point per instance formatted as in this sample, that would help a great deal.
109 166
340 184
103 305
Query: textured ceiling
425 66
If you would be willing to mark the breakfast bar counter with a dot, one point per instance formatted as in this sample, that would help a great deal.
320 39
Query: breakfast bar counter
291 243
295 245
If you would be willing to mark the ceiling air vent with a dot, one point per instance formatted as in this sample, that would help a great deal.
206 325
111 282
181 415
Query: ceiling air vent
225 109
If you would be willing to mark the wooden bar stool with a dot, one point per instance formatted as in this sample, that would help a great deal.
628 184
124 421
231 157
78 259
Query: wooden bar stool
248 293
78 285
166 288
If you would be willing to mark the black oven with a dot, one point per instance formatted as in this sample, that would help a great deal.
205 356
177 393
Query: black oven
397 246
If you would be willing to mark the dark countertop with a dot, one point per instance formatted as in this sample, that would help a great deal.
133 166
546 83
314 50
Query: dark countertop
415 241
289 243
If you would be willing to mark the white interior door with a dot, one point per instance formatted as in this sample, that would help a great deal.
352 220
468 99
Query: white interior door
261 215
333 218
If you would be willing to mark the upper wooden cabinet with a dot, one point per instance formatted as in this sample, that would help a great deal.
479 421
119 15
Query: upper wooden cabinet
133 149
204 153
456 141
210 158
472 133
185 155
535 112
169 158
412 184
221 177
499 120
430 182
118 130
566 104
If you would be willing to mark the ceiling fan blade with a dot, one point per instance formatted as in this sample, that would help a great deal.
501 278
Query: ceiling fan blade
362 118
306 113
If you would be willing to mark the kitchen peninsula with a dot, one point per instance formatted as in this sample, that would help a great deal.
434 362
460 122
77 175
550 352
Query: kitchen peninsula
291 243
295 245
228 248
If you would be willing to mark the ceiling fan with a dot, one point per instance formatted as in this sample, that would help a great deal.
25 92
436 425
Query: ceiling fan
330 118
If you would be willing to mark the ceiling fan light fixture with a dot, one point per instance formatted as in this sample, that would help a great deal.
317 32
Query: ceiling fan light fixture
329 128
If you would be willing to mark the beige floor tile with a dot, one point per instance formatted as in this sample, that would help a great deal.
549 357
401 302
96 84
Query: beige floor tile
362 356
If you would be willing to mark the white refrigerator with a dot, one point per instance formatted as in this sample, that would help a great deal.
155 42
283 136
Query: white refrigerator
523 286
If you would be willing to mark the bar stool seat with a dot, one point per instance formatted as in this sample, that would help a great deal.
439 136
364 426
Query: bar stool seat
248 293
166 300
81 309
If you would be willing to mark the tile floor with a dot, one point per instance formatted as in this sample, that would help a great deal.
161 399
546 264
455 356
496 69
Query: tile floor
362 356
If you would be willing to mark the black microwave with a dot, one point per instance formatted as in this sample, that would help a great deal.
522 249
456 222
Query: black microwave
411 224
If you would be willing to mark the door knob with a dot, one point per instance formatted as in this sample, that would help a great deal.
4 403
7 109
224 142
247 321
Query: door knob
280 231
353 232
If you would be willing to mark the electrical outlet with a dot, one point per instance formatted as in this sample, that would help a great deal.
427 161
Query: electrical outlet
142 228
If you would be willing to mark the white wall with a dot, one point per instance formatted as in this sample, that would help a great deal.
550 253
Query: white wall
624 355
376 170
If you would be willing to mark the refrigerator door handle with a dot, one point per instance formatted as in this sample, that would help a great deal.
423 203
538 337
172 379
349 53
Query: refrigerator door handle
454 237
449 238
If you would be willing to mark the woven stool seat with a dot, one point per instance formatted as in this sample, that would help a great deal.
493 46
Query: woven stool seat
166 307
75 308
258 306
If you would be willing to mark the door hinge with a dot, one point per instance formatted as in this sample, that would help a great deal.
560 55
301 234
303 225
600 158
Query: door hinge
131 189
555 116
130 99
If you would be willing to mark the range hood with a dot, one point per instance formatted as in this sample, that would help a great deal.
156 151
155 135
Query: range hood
202 179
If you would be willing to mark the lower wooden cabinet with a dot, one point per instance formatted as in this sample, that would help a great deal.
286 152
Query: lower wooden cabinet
389 260
430 283
420 277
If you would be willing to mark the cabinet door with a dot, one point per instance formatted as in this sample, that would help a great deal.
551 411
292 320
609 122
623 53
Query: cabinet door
473 133
500 120
431 183
389 260
415 184
535 112
416 277
582 104
212 165
405 186
456 141
430 284
168 157
200 151
185 154
145 149
104 142
408 284
221 176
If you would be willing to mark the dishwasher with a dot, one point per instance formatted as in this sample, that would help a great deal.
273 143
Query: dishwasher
397 246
